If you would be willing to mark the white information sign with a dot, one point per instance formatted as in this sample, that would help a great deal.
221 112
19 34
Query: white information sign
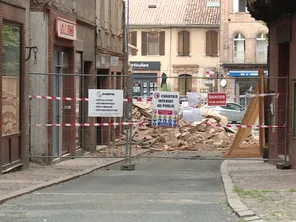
105 103
192 99
165 109
192 115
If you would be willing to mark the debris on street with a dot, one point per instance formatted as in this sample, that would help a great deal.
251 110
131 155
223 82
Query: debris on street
188 136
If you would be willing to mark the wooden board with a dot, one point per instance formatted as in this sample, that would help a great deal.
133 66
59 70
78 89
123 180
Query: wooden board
250 118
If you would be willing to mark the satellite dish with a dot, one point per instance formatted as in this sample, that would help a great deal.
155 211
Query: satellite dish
223 83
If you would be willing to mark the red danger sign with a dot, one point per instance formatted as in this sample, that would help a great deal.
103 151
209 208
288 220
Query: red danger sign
216 99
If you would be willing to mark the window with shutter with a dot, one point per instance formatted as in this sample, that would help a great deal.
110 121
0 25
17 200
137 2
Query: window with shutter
212 43
144 44
133 41
183 43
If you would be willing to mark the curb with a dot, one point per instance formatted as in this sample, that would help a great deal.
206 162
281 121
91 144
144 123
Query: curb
50 183
233 199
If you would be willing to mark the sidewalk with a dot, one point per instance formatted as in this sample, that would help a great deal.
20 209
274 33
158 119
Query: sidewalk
37 176
268 192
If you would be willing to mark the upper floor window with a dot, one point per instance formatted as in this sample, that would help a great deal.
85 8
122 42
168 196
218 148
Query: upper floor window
133 41
240 6
153 43
212 43
239 48
183 43
261 48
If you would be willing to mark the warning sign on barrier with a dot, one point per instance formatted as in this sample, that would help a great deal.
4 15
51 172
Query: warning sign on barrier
217 99
165 109
105 103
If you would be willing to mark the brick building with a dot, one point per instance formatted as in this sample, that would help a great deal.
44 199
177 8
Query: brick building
77 43
109 57
14 38
281 20
243 47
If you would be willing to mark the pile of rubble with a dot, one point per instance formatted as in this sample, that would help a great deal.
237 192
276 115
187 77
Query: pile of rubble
188 136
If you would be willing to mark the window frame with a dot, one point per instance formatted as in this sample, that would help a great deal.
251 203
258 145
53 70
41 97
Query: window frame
148 42
261 37
236 6
20 76
241 37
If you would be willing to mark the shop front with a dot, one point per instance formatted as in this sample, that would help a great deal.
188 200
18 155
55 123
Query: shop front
62 35
146 78
244 84
13 84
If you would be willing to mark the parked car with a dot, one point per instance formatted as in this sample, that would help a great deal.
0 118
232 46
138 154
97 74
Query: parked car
233 111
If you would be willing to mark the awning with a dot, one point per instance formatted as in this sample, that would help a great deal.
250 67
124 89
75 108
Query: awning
242 73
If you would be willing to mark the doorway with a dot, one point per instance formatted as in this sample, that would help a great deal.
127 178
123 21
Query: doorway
102 83
61 109
185 84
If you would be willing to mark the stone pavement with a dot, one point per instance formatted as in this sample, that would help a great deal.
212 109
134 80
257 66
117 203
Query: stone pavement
14 184
260 190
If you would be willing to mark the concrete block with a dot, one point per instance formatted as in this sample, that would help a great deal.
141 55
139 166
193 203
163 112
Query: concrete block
128 167
246 213
283 166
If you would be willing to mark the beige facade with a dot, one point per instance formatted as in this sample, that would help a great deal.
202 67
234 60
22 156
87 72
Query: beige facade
177 39
243 47
174 65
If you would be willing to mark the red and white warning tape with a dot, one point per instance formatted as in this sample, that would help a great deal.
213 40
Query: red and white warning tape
237 126
91 124
144 99
58 98
81 124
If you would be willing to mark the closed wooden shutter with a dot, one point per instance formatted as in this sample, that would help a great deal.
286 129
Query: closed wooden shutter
162 43
208 43
180 44
133 42
144 44
214 43
186 43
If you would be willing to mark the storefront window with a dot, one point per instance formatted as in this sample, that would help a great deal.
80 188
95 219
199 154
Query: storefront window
11 78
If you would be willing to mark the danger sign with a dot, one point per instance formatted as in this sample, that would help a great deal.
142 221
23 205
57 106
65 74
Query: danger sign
216 99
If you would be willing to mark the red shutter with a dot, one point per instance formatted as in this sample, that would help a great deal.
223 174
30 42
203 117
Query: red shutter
144 44
133 42
214 43
208 43
162 43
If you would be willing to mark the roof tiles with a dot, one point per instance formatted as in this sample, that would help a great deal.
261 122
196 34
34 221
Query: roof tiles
173 13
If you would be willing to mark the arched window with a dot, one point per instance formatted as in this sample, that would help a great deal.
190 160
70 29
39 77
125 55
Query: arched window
261 48
212 43
183 43
239 48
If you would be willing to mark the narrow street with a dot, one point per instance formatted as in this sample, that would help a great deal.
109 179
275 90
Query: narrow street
158 190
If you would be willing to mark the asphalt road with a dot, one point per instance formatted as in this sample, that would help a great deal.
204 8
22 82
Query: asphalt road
165 190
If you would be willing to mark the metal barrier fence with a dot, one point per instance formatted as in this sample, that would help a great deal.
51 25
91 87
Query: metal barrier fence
60 125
